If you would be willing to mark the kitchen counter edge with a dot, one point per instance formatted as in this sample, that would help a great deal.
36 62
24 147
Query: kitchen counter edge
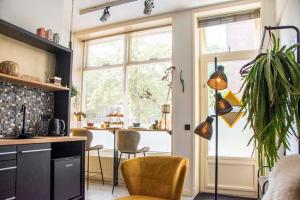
39 140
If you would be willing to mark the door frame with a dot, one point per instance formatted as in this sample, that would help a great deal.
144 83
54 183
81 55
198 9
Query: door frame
207 162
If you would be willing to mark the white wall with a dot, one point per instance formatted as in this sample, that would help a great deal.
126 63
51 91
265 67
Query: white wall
32 14
287 13
183 102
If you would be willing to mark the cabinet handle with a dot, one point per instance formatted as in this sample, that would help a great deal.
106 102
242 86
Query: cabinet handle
11 198
69 165
8 153
37 150
8 168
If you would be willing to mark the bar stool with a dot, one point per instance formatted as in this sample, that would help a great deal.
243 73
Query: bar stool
128 142
86 133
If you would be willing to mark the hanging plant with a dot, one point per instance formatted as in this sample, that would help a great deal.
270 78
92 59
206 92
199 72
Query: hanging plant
270 100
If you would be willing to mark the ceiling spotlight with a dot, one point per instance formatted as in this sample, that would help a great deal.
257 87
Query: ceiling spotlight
105 15
148 7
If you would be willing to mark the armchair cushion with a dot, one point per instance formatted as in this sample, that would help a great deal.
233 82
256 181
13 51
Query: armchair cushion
159 177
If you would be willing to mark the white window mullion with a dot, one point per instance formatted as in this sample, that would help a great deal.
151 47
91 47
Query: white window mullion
126 60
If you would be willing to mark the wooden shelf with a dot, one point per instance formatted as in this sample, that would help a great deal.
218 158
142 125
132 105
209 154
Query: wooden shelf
22 35
33 84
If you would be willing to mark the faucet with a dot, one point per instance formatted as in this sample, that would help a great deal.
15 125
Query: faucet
23 110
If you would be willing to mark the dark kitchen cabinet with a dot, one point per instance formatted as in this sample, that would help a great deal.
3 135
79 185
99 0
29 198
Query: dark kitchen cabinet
7 172
33 172
66 178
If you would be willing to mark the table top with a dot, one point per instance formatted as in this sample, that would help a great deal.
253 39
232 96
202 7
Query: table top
135 129
39 140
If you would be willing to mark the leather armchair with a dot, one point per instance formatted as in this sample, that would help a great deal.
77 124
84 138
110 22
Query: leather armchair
154 177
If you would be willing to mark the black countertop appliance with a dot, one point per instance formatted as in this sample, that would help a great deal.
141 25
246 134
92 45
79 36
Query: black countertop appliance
56 127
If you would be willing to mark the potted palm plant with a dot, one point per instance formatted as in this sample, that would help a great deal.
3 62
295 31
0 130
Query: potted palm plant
271 92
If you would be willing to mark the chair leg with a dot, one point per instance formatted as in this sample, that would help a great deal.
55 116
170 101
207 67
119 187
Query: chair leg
119 161
129 156
144 154
135 155
88 170
100 167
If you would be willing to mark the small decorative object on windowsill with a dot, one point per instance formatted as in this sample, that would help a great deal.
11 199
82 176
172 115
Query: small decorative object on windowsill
90 124
165 109
41 32
115 120
136 125
79 117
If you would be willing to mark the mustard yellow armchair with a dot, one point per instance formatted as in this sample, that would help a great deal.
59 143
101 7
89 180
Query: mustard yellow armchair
154 177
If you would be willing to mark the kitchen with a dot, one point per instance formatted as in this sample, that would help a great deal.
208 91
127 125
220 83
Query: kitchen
37 158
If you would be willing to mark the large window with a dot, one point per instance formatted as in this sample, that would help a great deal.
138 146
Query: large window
121 69
234 44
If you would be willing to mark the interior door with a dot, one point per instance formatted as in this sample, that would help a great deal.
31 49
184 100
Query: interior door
237 162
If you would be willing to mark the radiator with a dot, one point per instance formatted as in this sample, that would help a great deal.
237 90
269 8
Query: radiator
107 167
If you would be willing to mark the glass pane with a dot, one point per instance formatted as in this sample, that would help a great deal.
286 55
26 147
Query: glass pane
103 93
236 36
151 45
105 52
141 78
233 139
158 141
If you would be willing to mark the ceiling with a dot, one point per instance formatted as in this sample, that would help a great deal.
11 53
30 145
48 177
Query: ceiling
130 11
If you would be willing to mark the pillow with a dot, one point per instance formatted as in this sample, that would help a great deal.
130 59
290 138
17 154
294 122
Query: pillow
285 180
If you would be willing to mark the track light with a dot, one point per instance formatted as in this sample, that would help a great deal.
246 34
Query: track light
105 15
148 7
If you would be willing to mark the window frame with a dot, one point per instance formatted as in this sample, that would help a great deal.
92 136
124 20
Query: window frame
203 46
127 63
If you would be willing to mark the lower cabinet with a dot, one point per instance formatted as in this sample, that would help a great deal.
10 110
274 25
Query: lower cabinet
66 178
33 172
8 167
26 172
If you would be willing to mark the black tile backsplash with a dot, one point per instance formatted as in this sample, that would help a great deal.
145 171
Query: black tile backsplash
38 102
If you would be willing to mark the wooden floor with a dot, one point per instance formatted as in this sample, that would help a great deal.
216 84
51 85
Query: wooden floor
98 191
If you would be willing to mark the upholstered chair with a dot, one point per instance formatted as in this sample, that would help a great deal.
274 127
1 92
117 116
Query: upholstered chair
88 147
128 142
154 177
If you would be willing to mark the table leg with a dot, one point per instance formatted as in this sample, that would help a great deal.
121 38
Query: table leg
116 156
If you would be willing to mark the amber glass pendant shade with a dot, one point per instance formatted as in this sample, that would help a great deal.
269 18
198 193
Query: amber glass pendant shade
218 79
205 128
223 106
